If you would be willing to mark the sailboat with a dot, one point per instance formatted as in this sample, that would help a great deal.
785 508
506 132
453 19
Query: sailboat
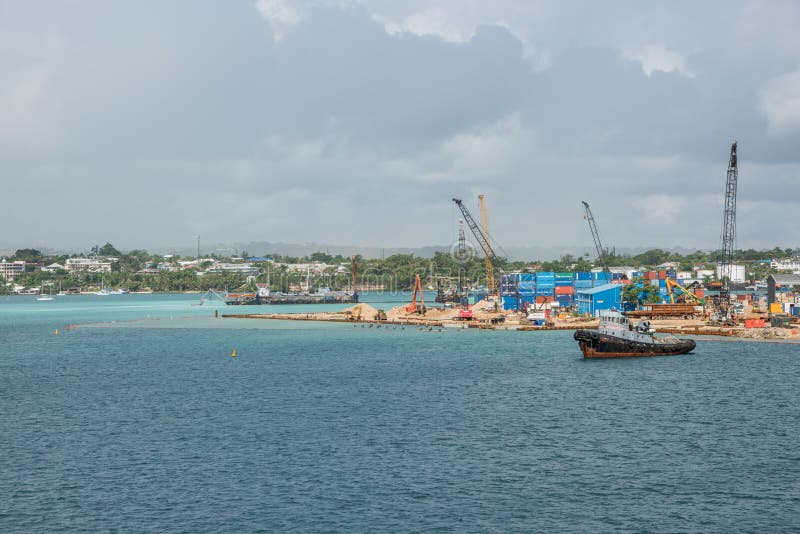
104 292
42 295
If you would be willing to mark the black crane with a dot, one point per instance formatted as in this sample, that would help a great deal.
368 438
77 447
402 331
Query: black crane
483 241
728 238
601 251
462 261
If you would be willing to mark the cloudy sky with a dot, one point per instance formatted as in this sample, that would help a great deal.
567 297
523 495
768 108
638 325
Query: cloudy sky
356 121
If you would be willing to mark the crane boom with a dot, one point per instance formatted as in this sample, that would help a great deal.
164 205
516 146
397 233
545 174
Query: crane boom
728 235
483 240
462 260
487 261
601 251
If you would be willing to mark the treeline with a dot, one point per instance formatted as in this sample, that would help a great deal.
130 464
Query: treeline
397 272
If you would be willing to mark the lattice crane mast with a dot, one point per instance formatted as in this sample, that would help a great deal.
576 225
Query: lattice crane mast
601 251
483 241
462 261
728 236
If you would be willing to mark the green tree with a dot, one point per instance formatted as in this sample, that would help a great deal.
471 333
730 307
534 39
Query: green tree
27 254
108 250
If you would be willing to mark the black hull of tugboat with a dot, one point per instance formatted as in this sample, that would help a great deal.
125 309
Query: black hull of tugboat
593 344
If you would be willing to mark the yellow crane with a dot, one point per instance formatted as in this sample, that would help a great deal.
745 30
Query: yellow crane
673 285
487 260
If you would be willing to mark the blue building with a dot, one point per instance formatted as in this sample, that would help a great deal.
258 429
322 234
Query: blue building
604 297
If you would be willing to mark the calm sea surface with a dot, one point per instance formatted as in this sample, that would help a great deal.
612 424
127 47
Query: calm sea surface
141 421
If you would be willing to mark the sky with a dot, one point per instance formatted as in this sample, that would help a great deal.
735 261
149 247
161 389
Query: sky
355 122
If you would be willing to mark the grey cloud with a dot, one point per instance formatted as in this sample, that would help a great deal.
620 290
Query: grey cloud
161 121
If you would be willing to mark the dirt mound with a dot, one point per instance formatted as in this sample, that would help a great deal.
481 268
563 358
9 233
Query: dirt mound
365 311
483 306
396 313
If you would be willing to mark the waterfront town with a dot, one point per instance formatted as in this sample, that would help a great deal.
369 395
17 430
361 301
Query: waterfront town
675 291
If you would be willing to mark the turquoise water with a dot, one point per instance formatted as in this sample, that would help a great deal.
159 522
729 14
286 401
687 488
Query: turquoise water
143 422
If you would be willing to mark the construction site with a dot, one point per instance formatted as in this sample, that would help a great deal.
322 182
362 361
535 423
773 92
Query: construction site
673 302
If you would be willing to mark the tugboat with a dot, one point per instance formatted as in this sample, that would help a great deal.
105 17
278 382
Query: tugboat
617 337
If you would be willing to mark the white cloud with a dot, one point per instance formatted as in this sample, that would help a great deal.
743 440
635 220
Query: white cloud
654 58
281 15
779 100
431 22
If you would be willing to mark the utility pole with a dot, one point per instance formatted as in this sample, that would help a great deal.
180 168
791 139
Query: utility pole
198 250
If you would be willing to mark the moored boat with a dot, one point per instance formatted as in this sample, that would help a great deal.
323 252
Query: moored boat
618 337
265 296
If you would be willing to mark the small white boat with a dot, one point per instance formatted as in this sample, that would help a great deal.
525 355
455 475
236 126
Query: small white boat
43 296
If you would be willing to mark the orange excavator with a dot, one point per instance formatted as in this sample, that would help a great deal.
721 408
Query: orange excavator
414 307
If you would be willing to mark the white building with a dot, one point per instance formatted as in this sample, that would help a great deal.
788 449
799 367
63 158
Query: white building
703 274
736 272
53 267
788 264
244 268
316 267
91 265
10 270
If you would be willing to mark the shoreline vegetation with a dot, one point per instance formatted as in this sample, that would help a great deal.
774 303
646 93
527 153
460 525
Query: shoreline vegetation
142 271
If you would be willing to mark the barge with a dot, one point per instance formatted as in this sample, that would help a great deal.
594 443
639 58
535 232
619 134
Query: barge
265 296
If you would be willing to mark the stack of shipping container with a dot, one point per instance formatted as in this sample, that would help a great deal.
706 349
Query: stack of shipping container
564 290
519 290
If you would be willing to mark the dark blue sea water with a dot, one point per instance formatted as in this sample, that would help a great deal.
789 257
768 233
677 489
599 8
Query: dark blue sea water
150 425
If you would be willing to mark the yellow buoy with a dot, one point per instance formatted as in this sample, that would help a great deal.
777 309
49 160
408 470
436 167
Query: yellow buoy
233 353
56 332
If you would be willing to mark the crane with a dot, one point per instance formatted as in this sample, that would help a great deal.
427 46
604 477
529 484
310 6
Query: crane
601 251
354 276
462 261
414 307
673 285
728 237
486 259
483 241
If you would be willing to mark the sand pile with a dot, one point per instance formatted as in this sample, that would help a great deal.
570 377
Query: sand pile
365 311
396 313
441 313
483 306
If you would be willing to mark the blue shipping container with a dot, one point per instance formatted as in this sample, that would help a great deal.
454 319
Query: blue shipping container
582 276
510 303
527 286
